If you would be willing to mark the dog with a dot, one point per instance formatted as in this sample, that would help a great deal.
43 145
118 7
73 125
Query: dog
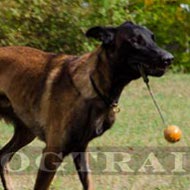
67 100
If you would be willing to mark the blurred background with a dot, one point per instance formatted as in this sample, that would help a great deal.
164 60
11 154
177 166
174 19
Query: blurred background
60 25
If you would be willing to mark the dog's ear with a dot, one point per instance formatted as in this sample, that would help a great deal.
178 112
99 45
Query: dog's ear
103 34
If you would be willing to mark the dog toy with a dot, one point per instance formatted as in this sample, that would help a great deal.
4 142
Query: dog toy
172 133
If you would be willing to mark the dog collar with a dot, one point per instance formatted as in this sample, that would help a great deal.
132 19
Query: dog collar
109 102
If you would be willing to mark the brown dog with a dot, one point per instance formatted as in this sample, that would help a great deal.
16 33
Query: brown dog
66 100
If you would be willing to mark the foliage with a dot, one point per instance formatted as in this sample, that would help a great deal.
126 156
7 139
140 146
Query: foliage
60 25
54 25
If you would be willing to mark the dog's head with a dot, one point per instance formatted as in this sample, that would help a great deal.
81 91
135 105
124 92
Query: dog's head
131 46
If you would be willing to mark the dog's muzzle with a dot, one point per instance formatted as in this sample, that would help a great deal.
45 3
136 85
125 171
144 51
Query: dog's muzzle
158 67
167 59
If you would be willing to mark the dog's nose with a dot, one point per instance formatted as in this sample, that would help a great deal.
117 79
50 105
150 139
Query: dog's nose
167 59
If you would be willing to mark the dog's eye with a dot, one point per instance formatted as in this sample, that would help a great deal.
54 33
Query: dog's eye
137 40
140 40
133 40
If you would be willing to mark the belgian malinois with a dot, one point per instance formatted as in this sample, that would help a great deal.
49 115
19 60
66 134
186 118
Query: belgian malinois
68 100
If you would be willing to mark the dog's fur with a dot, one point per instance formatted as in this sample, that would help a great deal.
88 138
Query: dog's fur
67 100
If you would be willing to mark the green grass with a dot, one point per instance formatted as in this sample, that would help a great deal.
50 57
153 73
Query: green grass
138 125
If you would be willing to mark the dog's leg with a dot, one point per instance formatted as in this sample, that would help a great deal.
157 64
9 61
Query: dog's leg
22 136
81 163
51 160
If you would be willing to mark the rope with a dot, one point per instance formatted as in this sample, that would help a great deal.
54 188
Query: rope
146 80
155 103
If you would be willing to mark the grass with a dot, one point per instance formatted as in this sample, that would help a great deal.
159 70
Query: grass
138 126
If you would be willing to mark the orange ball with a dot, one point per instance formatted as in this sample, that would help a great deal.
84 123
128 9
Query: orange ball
172 133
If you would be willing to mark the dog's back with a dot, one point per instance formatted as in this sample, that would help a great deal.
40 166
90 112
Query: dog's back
23 76
21 62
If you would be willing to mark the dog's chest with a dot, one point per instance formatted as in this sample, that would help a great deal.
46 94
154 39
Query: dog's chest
101 124
92 122
98 126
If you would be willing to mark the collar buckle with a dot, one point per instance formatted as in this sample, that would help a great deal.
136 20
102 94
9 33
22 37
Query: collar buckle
115 107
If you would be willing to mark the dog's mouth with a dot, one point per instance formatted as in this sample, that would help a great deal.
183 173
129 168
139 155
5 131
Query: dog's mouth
153 70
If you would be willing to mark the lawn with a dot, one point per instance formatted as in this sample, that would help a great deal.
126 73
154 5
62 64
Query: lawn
136 141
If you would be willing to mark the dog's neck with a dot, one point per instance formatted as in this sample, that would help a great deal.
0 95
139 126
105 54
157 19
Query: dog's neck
96 74
107 80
